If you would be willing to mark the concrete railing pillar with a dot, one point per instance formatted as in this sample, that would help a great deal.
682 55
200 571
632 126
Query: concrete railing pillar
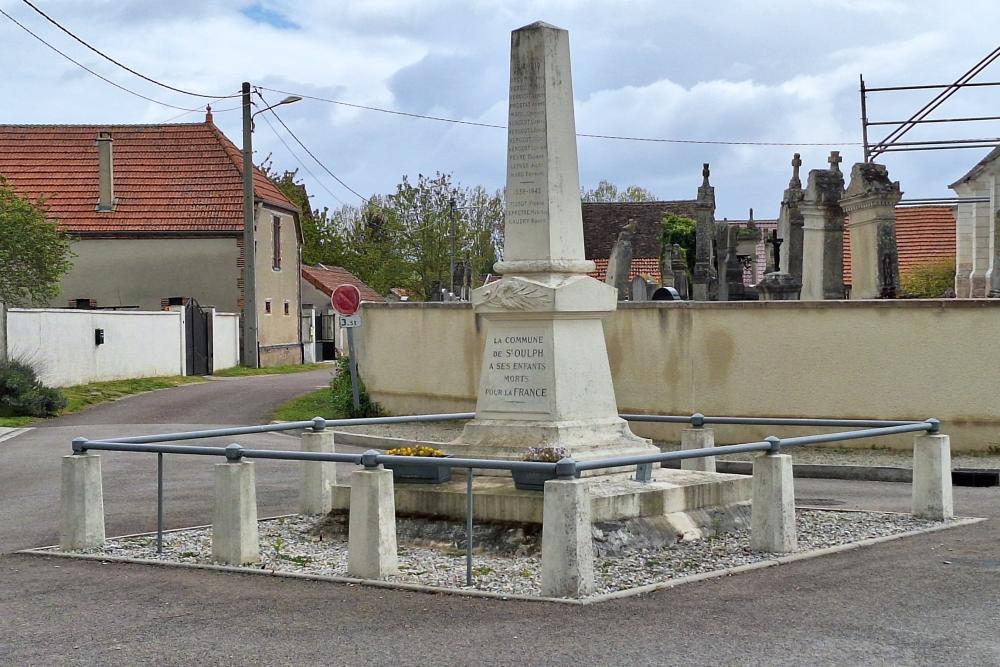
772 522
567 545
371 532
315 496
932 497
698 438
82 503
235 540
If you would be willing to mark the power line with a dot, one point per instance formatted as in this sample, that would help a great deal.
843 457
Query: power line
457 121
310 153
123 66
84 67
301 163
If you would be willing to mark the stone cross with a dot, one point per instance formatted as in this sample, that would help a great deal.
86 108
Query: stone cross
795 181
835 161
775 244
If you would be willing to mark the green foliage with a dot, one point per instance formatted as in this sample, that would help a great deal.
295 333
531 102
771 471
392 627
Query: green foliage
23 395
242 371
930 280
82 396
680 230
403 239
343 398
34 254
608 192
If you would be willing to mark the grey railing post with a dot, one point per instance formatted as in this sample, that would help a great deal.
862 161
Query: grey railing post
235 539
772 522
82 500
698 437
315 494
371 530
567 545
932 493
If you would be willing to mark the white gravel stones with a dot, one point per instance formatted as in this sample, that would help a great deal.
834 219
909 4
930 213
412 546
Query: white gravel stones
290 544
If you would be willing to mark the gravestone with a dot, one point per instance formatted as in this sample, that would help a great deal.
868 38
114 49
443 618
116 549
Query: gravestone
704 280
640 289
823 233
790 222
734 267
679 271
620 261
545 378
870 203
777 285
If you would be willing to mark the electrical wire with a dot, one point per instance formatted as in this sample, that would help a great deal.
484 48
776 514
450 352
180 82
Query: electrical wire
84 67
119 64
299 160
579 134
310 153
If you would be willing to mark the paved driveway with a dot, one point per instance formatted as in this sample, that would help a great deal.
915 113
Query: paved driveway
893 604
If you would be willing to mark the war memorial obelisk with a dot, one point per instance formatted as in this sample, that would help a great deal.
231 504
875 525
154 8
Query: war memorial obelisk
545 378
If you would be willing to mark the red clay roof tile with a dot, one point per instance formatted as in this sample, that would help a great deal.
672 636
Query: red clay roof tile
328 278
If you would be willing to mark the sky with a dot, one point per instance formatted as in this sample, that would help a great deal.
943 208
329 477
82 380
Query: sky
770 71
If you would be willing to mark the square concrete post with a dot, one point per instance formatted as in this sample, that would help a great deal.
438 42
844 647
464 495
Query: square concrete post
371 532
82 503
698 438
315 496
235 540
772 521
932 497
567 545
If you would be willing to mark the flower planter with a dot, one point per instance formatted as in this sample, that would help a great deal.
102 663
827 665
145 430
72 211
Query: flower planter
407 473
531 480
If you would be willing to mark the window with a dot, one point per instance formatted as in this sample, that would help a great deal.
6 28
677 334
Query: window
287 312
276 236
267 306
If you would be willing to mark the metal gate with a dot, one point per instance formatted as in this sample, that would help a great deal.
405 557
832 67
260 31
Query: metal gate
198 338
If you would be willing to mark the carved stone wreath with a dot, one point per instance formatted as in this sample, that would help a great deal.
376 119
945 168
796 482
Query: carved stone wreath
517 295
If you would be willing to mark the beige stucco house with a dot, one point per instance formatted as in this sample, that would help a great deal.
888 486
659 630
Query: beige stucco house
156 213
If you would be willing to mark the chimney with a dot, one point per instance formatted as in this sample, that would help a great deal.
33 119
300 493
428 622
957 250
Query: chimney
105 168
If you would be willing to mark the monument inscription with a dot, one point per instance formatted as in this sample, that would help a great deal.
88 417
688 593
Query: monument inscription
517 370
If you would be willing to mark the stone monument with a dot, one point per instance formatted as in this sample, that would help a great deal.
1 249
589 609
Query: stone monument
545 378
790 223
870 203
704 280
823 233
620 262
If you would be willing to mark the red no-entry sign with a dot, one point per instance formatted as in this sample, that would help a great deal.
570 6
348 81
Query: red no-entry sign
346 299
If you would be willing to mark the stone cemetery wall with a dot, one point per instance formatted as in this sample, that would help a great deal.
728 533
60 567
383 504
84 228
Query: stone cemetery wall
864 359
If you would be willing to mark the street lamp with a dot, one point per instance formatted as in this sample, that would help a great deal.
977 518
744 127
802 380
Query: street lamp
251 356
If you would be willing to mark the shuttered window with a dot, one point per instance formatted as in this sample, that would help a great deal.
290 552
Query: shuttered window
276 235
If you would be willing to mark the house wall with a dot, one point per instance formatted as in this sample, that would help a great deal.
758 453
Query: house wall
60 345
279 336
863 359
140 272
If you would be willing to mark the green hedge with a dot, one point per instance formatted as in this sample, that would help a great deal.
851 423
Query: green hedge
23 395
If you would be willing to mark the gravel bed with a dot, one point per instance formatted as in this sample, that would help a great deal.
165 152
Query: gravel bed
290 544
447 431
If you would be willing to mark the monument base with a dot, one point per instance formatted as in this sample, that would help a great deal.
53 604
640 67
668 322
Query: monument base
584 440
613 497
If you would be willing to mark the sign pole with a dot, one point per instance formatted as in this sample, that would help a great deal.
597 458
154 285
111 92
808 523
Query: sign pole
353 364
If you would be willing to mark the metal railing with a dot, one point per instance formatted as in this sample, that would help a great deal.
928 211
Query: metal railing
566 468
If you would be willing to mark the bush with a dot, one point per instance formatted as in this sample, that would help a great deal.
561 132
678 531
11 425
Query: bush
22 395
931 280
343 399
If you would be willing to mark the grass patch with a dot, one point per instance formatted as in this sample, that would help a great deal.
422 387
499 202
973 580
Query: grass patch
319 403
17 422
83 396
243 371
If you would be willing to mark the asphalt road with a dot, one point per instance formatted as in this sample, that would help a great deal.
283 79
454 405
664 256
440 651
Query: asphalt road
893 604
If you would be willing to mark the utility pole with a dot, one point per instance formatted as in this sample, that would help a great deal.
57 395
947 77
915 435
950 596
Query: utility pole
451 202
250 349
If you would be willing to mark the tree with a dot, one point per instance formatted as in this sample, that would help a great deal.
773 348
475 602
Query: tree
608 192
34 253
680 230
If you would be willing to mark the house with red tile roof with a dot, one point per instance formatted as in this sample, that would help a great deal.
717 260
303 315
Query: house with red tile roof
318 284
156 213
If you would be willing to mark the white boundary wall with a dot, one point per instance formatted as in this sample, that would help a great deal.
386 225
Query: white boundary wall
225 340
60 343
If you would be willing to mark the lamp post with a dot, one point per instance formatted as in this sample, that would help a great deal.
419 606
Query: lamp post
251 356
